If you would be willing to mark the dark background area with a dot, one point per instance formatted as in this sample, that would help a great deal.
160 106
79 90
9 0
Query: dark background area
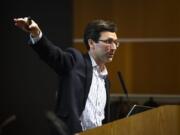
28 85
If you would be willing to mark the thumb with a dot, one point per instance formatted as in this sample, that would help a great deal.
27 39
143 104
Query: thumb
34 29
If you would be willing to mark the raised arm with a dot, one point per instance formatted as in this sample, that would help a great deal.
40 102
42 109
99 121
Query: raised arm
61 61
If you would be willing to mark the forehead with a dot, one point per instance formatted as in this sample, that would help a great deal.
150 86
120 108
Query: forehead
107 34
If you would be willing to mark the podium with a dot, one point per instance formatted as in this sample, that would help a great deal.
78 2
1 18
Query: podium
164 120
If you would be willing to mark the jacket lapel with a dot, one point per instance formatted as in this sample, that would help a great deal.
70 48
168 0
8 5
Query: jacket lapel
107 108
88 70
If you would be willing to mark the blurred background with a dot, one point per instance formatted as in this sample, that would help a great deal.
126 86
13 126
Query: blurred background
145 69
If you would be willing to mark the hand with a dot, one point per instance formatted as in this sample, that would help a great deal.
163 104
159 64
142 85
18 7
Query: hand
28 25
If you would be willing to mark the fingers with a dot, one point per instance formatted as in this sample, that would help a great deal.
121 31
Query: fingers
22 23
20 20
28 25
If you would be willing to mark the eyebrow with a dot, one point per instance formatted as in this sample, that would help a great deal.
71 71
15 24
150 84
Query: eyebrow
110 39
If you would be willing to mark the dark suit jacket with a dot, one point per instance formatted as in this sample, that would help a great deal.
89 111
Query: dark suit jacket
75 73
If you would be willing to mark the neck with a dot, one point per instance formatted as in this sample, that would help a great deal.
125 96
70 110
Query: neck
98 61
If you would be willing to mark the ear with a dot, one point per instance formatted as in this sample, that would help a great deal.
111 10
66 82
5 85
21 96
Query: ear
91 43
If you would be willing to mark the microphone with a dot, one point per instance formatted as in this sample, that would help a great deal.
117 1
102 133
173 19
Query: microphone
123 84
6 122
60 126
29 20
124 106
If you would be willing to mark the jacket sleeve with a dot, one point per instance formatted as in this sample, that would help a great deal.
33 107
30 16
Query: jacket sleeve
61 61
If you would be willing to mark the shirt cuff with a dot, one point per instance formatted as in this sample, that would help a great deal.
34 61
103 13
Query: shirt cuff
34 40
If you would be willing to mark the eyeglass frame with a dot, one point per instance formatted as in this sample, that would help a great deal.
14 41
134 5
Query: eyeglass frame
110 41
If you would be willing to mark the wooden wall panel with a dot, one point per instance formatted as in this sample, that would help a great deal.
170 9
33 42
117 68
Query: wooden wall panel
146 67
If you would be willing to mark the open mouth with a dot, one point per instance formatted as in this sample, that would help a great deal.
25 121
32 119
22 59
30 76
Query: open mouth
110 55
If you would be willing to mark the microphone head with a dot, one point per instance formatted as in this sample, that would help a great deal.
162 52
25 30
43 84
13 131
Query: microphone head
59 125
8 121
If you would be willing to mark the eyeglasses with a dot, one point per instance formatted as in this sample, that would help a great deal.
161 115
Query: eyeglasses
110 41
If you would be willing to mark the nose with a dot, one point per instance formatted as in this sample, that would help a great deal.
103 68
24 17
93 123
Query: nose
113 46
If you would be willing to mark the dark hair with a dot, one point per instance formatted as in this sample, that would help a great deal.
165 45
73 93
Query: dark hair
94 28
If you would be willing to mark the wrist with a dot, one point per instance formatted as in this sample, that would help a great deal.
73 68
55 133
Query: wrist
36 35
